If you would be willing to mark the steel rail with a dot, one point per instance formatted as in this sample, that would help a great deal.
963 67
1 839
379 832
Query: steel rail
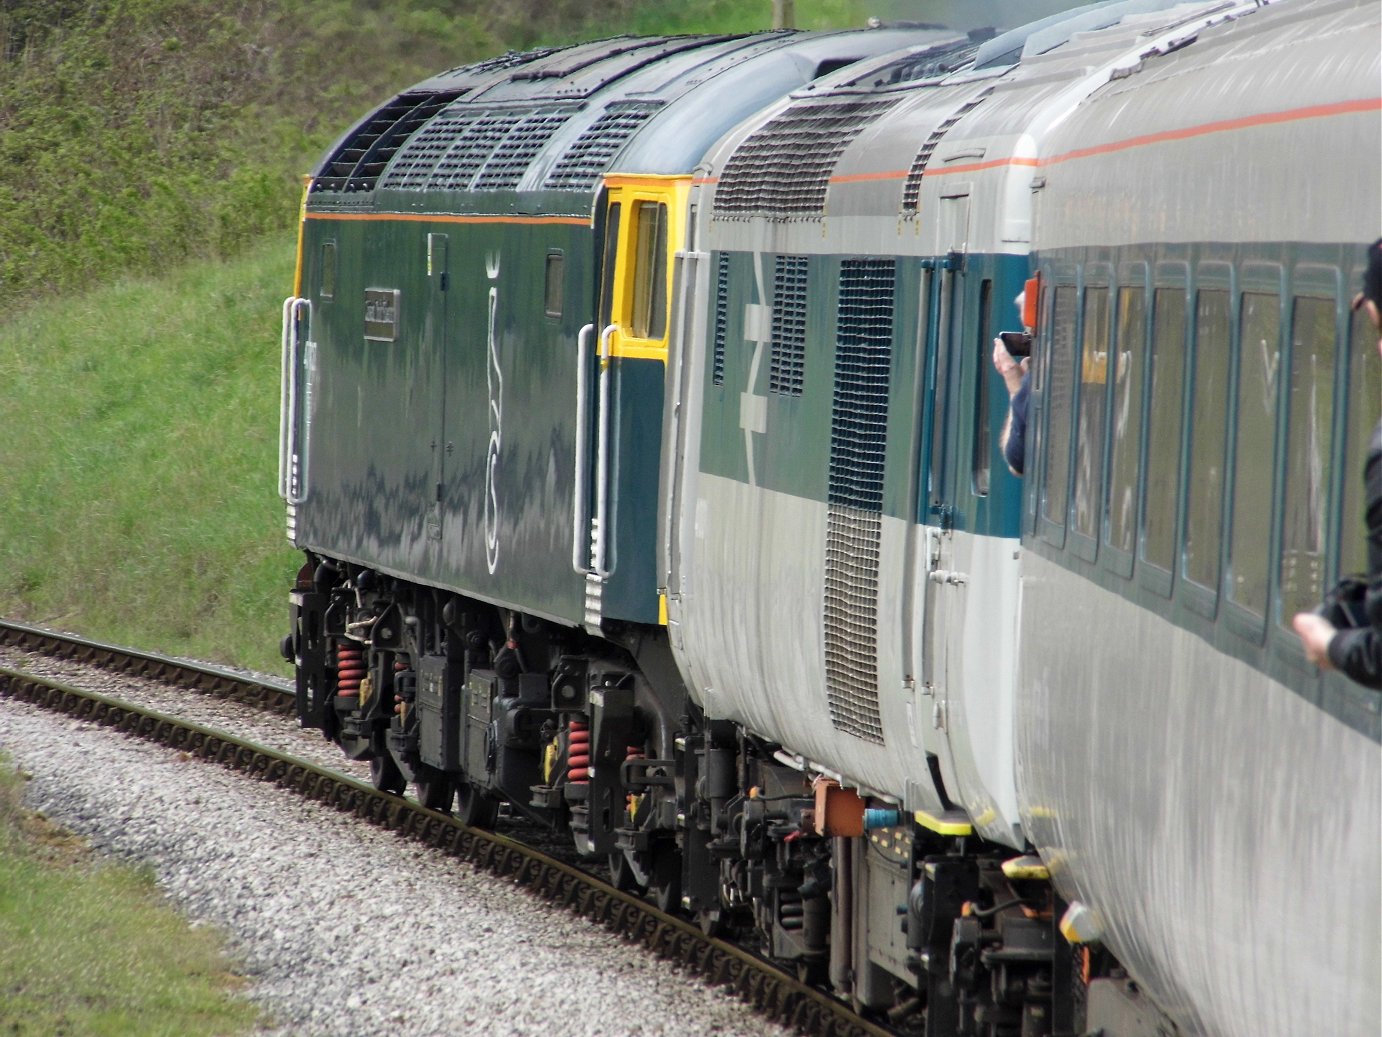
763 986
273 696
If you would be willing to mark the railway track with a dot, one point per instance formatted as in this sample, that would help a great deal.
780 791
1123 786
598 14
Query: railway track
768 990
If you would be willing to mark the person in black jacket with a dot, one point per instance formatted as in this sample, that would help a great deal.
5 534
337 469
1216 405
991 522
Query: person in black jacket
1357 651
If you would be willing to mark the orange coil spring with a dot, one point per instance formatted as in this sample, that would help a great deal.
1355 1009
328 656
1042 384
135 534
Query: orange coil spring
350 668
578 753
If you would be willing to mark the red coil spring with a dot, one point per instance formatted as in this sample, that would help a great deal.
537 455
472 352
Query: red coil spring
578 753
350 668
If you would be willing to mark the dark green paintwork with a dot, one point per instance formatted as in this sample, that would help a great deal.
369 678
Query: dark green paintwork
793 455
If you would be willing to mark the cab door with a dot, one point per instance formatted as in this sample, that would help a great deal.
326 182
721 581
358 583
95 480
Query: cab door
620 395
942 608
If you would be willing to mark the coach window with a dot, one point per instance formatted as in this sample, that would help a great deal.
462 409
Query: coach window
555 283
1259 360
1089 438
1125 445
1309 421
1364 386
1208 431
649 318
1059 363
1167 362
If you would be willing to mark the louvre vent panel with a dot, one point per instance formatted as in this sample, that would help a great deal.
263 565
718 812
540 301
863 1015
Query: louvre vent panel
858 447
721 317
359 161
911 189
476 150
863 363
851 621
788 365
782 170
588 158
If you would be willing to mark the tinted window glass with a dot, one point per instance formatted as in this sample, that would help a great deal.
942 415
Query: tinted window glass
1127 417
555 284
1164 426
1364 404
1309 419
1208 429
611 251
328 270
1059 393
1259 332
1089 442
649 318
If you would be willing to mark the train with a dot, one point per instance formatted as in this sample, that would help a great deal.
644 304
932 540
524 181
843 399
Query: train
641 432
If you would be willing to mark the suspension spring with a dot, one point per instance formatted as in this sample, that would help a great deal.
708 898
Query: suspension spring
632 801
578 753
350 668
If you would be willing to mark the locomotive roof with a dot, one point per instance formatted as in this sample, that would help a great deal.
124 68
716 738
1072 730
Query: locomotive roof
551 122
975 111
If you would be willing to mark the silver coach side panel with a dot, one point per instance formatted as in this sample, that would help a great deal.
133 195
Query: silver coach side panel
1224 828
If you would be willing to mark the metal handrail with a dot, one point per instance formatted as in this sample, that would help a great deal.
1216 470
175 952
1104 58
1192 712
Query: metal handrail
580 498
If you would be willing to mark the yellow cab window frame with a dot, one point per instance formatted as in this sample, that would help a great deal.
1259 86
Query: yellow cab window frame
651 231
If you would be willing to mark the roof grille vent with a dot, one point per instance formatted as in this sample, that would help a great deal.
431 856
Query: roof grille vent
588 158
361 158
911 190
782 170
480 149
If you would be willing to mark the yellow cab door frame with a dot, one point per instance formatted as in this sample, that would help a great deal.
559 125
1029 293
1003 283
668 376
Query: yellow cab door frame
645 227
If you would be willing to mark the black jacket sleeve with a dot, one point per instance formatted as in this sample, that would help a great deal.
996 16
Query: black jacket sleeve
1358 652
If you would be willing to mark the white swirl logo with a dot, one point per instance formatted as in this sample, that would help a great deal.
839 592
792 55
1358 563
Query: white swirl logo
494 377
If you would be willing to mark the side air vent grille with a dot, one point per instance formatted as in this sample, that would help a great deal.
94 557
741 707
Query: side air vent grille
588 158
788 367
476 150
359 161
863 361
858 442
911 190
721 316
782 169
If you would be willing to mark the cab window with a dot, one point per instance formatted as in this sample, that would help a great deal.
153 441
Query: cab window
649 316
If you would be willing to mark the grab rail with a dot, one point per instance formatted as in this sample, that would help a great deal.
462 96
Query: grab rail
580 499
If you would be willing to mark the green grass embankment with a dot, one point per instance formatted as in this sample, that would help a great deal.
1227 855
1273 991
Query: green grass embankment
90 948
139 457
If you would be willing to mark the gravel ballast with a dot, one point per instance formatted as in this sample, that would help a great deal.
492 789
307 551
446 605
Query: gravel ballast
343 929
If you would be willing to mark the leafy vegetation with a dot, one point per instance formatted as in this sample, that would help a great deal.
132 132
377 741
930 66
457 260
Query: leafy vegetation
148 973
150 175
143 133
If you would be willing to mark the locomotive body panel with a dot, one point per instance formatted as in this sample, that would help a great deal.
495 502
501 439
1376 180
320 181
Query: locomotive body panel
659 375
1237 789
1194 797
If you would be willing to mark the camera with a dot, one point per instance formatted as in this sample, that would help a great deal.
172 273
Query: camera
1017 343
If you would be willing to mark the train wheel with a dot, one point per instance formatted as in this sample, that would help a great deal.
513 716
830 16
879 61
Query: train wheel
435 789
385 775
627 871
474 806
664 879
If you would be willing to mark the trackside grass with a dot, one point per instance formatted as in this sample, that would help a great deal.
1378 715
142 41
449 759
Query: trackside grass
90 948
138 461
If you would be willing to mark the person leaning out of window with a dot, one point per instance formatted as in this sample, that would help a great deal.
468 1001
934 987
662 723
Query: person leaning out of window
1356 650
